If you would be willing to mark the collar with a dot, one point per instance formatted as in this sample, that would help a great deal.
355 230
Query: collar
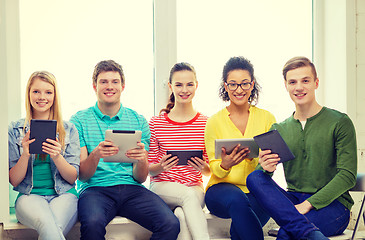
100 115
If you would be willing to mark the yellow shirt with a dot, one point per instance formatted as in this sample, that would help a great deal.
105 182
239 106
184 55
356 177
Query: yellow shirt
220 126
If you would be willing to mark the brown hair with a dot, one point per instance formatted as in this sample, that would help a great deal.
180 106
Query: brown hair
183 66
107 66
298 62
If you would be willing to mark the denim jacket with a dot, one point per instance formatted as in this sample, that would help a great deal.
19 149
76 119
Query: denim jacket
71 153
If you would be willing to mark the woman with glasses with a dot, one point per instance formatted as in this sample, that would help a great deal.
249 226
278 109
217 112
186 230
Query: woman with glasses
227 195
179 127
47 199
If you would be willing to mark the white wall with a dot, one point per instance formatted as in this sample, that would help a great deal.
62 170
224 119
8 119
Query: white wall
360 75
9 92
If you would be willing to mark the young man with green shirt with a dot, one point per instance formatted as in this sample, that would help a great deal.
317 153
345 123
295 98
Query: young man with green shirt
109 189
317 202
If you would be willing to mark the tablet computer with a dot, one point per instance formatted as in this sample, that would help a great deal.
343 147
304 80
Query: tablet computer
186 155
230 144
40 130
272 140
125 140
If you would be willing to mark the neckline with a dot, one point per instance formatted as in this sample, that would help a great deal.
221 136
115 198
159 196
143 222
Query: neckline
165 115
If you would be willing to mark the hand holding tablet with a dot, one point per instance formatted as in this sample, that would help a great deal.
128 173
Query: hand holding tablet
125 140
40 130
184 156
273 141
230 144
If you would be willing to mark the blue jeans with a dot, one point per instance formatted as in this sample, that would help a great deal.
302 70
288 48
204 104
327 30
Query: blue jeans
51 216
226 200
99 205
331 220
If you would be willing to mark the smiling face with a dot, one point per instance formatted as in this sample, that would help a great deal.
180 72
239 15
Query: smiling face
41 96
183 86
301 85
108 88
239 96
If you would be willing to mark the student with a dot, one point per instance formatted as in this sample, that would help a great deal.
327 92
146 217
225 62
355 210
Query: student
109 189
47 199
227 195
180 127
323 141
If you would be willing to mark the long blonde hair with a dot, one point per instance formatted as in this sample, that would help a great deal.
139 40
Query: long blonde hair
55 110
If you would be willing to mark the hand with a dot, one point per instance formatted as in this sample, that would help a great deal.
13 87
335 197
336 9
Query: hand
105 149
198 164
52 147
26 142
234 158
304 207
138 153
167 162
268 161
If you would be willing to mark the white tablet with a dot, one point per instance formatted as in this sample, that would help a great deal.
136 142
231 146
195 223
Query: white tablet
230 144
125 140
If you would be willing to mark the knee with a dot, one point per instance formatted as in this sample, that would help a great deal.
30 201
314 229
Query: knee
254 178
171 223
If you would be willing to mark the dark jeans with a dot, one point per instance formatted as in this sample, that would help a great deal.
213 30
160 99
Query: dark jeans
99 205
226 200
331 220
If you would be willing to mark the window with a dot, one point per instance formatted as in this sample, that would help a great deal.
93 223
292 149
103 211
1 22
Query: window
68 38
266 32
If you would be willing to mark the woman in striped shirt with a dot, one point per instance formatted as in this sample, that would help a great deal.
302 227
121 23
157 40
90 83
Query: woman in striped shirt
179 127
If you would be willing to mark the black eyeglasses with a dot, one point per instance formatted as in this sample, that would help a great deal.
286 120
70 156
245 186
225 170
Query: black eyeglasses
234 86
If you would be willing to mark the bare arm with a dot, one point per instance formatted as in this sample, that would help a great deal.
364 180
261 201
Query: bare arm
140 168
67 171
89 162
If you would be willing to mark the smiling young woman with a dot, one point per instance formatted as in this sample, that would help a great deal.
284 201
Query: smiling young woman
227 195
180 127
47 199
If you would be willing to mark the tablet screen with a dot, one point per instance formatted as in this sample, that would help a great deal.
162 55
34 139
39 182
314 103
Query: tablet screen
40 130
230 144
184 156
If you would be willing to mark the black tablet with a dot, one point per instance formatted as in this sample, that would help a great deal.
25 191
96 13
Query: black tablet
184 156
40 130
272 140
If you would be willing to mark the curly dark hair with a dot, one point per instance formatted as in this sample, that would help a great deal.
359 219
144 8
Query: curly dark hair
239 63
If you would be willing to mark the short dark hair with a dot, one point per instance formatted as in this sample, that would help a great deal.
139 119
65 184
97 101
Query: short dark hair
107 66
239 63
298 62
182 66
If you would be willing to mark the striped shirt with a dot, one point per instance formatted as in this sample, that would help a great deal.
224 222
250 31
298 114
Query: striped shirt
91 124
167 134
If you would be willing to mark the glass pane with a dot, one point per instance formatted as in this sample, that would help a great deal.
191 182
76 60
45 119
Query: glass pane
69 37
266 32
